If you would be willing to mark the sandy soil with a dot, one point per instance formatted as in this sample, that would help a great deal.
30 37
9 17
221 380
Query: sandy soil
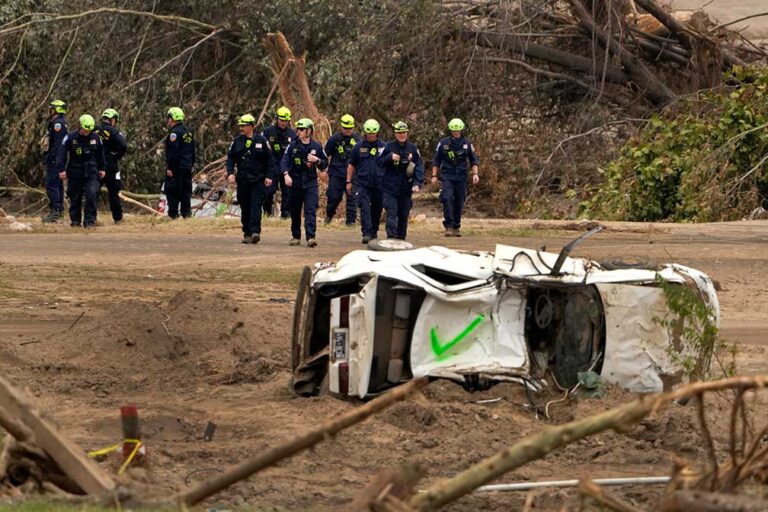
193 326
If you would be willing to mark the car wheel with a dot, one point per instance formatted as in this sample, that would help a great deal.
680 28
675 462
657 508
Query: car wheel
389 245
629 262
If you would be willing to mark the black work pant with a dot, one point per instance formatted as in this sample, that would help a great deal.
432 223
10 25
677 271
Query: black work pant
178 191
398 208
285 198
114 186
83 186
453 194
308 198
369 199
337 189
54 188
250 196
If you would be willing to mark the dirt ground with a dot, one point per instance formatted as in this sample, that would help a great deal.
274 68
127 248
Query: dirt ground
192 326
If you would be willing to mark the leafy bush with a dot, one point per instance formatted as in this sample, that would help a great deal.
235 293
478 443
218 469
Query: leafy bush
702 159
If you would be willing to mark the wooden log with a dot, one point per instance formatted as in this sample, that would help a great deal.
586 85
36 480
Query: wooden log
669 20
547 54
653 88
311 438
68 455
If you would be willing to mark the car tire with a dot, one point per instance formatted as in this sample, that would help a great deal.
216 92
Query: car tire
389 245
629 262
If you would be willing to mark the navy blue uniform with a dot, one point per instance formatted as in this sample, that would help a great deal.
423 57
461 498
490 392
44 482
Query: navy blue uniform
304 190
57 130
82 157
115 147
339 148
179 159
396 184
367 183
278 142
454 157
253 160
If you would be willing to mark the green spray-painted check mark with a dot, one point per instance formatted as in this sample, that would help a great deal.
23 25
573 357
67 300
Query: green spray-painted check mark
440 349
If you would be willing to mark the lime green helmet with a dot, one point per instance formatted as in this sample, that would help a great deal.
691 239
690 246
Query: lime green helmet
110 113
246 119
176 114
371 126
455 125
400 127
347 121
283 113
87 122
59 106
305 123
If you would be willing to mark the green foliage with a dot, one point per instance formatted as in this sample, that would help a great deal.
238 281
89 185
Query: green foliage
694 334
700 160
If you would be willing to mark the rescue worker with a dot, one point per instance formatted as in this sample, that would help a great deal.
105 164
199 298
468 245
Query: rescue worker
364 174
303 158
115 147
250 154
80 160
338 148
453 156
279 136
403 175
57 130
179 160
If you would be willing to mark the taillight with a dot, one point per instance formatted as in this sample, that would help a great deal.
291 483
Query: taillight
344 311
344 378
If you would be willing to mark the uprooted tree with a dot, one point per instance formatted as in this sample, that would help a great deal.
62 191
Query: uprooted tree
507 67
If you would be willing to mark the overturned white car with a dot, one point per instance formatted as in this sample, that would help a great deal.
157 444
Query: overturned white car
377 319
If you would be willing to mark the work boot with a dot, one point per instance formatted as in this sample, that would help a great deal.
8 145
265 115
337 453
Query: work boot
311 242
365 240
294 242
89 225
247 238
255 238
74 224
118 221
448 232
329 219
285 216
456 232
52 217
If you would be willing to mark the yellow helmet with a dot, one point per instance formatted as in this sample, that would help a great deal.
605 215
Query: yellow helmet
347 121
371 126
59 106
87 122
400 127
283 113
305 123
246 119
455 125
176 114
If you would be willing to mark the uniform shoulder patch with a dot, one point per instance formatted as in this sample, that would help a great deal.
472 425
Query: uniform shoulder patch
57 127
93 142
172 137
464 146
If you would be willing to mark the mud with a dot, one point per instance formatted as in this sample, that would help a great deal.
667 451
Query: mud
193 326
